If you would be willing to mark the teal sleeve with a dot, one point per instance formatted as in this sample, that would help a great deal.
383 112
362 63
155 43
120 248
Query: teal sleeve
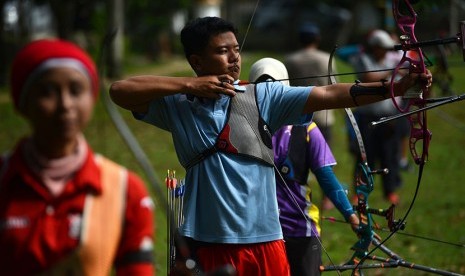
334 190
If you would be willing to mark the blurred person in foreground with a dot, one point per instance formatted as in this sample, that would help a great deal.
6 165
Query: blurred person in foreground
298 150
65 210
221 130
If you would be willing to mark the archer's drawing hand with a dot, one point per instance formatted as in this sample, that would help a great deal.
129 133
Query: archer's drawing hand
212 87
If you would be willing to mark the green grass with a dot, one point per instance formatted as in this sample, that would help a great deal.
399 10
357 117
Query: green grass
439 211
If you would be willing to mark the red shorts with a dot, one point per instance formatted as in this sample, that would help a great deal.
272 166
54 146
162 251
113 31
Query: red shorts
257 259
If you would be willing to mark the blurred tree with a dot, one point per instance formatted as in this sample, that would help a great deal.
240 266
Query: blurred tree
148 25
66 18
148 29
64 13
115 24
3 47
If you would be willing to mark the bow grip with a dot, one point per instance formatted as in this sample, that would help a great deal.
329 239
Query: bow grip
416 91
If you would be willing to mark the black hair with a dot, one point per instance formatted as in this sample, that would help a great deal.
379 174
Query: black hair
264 78
309 33
306 39
197 33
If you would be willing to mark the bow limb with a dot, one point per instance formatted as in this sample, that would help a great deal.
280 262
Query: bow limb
364 183
419 131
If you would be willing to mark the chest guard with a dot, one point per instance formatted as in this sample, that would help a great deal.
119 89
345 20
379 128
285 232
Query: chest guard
295 165
244 133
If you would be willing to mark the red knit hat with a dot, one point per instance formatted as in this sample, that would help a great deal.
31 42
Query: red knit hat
33 55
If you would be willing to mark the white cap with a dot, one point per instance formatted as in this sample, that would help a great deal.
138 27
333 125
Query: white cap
271 67
382 39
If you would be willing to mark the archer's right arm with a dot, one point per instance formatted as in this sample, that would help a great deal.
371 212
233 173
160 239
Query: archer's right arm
136 93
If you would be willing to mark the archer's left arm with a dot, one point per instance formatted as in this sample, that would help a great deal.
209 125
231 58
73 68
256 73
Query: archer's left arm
342 95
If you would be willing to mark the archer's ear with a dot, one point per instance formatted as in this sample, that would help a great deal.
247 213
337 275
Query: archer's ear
196 62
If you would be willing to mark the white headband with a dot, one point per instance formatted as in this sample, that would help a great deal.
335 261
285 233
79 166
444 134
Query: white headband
49 64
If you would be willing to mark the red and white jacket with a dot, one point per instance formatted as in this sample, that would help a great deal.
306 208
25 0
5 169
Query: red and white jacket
102 219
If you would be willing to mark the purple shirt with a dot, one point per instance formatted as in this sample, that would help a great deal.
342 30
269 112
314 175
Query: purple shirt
292 221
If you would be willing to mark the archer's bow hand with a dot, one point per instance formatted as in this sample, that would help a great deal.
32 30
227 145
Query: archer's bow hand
422 80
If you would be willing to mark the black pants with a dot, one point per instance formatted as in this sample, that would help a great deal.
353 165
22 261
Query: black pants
304 255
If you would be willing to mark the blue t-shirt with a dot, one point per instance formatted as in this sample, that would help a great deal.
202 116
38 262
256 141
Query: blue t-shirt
228 198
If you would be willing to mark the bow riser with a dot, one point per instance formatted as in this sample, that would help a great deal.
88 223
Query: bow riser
415 59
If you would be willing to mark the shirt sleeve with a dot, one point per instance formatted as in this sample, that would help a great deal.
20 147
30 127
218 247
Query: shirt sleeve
282 105
334 190
135 252
156 114
318 149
